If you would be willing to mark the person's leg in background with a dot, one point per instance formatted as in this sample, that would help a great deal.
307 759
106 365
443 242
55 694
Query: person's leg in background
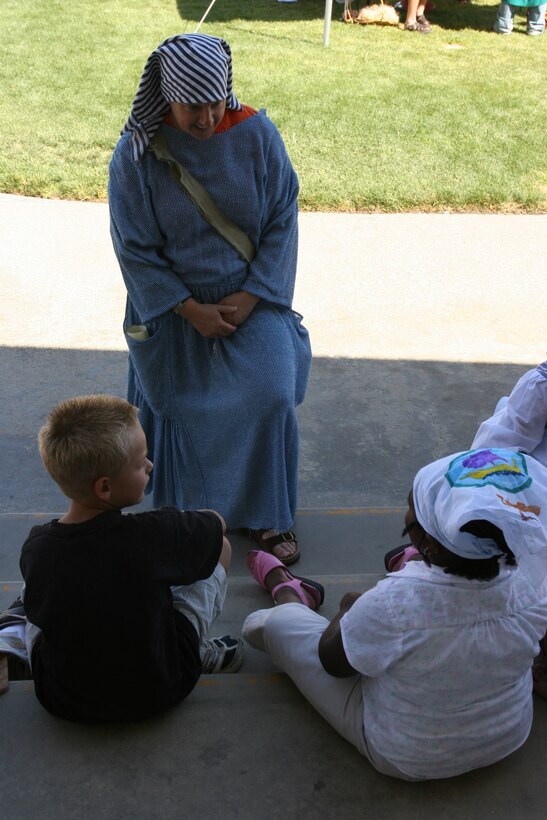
415 17
504 19
535 20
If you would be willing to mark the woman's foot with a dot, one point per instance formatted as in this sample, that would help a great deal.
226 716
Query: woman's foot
281 544
284 587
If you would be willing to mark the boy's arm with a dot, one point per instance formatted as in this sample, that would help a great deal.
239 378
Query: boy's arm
185 545
218 515
331 649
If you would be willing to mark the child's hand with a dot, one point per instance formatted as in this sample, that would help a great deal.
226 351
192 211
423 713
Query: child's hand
331 647
218 515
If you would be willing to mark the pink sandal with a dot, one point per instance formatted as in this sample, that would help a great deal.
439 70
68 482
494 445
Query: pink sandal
261 563
399 557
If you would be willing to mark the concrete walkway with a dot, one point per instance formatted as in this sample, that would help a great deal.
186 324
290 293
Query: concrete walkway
432 287
419 323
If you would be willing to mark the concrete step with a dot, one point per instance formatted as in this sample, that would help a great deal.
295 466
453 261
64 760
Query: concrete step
244 746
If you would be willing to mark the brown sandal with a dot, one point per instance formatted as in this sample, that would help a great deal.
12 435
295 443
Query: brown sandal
422 27
267 544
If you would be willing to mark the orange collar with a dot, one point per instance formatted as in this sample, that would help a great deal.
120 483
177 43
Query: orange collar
228 121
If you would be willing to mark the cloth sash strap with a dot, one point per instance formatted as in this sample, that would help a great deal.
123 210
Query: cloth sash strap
203 201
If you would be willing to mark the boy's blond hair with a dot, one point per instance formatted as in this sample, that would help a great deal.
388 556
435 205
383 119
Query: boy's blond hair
85 438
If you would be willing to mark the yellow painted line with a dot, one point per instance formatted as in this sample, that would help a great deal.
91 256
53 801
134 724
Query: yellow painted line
27 515
20 686
304 512
353 511
356 577
348 578
248 678
275 677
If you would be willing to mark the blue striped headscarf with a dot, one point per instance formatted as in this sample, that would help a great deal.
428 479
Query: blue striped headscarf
186 68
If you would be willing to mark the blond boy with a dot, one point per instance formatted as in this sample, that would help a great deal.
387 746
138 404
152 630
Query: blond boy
118 606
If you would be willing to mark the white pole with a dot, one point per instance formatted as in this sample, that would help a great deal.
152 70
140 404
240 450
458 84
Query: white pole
326 28
211 4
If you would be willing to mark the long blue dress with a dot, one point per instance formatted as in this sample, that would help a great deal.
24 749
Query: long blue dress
219 415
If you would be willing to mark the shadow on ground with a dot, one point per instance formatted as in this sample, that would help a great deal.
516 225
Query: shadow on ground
267 11
366 425
447 14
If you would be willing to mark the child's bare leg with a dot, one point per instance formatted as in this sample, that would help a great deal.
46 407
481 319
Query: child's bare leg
225 557
415 20
539 673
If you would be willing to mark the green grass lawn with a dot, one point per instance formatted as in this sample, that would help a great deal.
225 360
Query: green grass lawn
382 120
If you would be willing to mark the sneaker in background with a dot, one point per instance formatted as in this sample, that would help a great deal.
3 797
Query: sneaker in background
221 654
14 614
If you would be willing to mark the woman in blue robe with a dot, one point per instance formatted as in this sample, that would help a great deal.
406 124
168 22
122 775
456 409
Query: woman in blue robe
218 360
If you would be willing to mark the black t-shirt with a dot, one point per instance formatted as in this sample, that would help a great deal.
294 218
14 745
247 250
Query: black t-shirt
112 646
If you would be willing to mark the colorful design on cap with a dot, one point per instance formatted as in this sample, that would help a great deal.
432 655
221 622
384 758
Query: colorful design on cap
499 468
519 505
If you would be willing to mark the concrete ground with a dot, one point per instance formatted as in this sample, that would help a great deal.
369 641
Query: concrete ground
418 323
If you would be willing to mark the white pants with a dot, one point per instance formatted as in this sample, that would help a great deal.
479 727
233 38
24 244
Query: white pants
290 634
